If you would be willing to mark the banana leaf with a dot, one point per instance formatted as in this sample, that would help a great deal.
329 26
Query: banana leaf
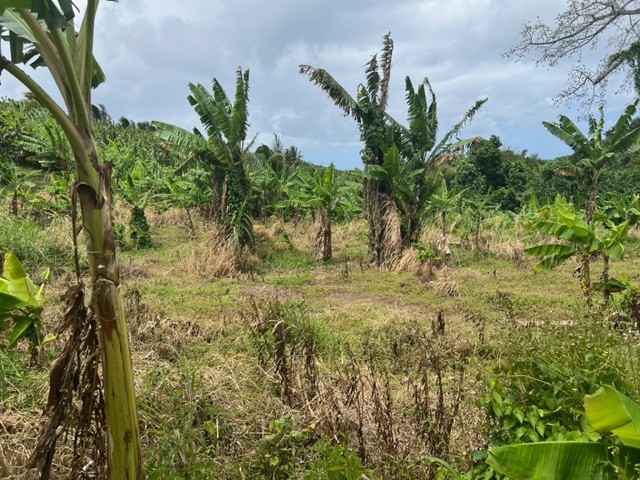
563 461
608 411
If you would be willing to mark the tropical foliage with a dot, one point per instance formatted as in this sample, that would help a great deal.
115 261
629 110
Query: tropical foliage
607 411
598 151
43 33
221 153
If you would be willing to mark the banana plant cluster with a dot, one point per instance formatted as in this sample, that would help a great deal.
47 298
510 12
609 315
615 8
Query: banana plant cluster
583 240
398 159
221 153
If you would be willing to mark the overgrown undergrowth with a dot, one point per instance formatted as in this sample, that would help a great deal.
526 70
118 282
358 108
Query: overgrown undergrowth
305 369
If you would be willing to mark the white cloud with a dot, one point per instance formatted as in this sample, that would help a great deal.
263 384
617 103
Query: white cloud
151 50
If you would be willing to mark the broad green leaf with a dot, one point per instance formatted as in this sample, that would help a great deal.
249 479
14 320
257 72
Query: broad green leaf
612 285
609 410
563 461
20 328
550 249
615 251
13 269
9 302
15 282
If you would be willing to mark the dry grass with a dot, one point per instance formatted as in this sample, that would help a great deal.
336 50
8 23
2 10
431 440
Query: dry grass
378 359
215 258
392 240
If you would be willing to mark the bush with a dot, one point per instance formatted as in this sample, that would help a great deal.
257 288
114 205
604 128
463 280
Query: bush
34 246
537 392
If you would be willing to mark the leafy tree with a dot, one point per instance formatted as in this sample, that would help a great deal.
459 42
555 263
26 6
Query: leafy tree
485 155
597 152
582 240
43 32
222 152
421 151
368 109
581 26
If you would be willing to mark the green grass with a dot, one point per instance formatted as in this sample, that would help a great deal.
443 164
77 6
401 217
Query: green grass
209 388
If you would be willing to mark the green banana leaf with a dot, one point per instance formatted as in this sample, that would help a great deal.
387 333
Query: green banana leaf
608 411
613 285
19 299
563 461
16 286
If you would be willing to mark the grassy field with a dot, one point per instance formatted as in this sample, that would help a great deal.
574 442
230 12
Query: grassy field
300 368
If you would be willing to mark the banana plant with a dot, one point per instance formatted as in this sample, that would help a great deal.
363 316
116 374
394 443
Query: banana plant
48 146
319 192
403 180
596 152
137 188
618 208
17 183
583 240
20 301
221 152
189 191
479 208
44 33
607 411
441 202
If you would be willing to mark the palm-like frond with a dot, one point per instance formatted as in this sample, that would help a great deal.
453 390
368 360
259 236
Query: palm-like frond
239 117
622 133
567 131
336 92
212 113
222 150
185 142
220 96
387 55
455 130
373 80
421 114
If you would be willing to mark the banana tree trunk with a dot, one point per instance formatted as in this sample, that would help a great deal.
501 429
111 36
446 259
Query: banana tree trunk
604 278
191 227
14 204
93 189
323 236
123 435
585 277
590 208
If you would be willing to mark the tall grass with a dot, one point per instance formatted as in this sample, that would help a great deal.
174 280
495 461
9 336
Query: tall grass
36 246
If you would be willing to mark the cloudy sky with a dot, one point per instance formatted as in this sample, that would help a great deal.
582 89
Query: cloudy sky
151 49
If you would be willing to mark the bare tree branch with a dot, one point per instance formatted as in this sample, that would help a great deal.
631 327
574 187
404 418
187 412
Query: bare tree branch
585 25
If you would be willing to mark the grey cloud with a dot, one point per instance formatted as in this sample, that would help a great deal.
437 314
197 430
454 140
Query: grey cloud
151 50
